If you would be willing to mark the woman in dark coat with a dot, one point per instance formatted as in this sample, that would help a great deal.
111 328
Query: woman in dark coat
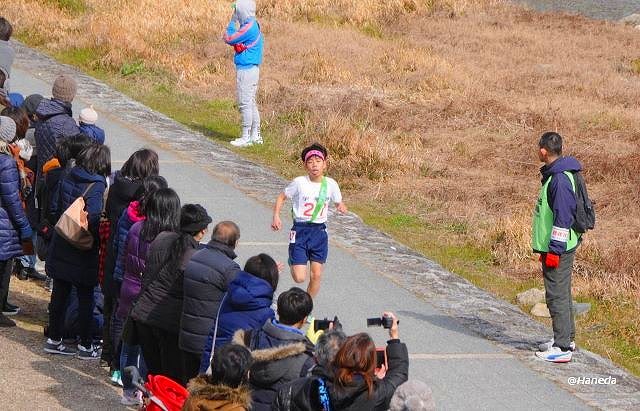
156 313
69 266
14 225
126 182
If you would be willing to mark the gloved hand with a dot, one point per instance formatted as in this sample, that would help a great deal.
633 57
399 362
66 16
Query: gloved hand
239 48
552 260
313 335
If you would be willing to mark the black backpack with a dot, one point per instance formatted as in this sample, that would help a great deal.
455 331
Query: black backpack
585 212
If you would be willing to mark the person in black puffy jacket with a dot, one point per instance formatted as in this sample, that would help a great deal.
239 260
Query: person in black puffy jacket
206 279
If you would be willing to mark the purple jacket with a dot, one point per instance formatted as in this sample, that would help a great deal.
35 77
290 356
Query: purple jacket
134 263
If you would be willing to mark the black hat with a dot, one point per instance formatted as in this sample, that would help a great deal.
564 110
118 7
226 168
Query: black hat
31 103
193 218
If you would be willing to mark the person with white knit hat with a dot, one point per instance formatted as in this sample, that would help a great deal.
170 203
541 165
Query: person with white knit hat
87 124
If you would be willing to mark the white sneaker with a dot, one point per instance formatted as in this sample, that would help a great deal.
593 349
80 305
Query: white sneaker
242 142
547 345
555 354
257 139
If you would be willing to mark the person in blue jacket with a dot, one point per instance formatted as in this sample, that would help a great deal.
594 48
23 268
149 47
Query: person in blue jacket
243 34
14 225
246 305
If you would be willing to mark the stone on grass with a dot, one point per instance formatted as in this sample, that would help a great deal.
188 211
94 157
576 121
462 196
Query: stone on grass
632 19
540 310
530 297
581 308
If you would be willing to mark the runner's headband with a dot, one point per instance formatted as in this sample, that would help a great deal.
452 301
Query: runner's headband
313 153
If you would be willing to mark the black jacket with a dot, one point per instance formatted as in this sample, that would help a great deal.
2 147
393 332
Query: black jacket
206 278
280 356
160 301
121 193
303 395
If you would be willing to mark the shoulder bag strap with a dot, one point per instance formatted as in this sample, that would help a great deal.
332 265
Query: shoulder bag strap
322 198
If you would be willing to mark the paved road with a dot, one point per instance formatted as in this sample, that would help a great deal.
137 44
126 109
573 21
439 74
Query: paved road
465 370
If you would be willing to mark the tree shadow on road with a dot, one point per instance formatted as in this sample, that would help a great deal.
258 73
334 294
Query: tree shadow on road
477 327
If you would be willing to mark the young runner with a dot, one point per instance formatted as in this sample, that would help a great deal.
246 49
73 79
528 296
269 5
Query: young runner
310 196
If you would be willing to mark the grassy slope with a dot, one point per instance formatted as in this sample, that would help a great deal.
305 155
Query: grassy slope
448 237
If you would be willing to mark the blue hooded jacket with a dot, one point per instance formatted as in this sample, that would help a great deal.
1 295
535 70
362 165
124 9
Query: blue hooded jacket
247 34
247 305
93 131
13 220
560 196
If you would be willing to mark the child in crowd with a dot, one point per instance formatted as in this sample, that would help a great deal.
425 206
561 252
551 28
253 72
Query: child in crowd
310 195
226 388
87 121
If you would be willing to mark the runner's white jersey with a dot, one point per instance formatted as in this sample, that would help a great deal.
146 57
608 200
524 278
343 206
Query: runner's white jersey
304 197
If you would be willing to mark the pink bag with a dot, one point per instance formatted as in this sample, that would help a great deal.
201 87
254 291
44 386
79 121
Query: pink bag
73 224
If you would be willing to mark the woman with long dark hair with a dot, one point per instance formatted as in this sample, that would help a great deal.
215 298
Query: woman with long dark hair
135 212
162 211
156 313
355 386
70 266
126 183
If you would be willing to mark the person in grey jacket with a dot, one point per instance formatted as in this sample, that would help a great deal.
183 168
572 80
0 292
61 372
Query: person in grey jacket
206 278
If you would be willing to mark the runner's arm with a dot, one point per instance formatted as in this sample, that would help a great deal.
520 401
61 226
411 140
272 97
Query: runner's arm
276 224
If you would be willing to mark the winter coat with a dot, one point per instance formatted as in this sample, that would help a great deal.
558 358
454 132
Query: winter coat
280 356
243 32
93 131
247 305
303 394
206 278
56 122
160 301
135 257
206 396
121 193
561 197
129 217
64 261
14 224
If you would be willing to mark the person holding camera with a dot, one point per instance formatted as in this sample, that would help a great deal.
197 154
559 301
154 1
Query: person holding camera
355 386
349 382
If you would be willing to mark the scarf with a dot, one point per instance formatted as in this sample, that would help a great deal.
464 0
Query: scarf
26 175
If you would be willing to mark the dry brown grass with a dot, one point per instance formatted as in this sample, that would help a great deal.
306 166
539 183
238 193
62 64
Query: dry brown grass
436 104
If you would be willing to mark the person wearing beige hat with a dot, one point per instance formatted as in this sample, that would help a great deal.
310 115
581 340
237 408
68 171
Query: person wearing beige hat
87 124
56 118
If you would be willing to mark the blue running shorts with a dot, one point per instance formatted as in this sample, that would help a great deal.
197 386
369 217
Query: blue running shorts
308 242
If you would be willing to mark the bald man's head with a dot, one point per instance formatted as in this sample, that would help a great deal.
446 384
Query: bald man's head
226 232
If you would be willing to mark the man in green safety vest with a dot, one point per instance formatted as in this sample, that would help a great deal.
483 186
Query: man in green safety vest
553 238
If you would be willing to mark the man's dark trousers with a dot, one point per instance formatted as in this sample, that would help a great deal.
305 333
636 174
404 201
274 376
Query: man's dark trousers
557 283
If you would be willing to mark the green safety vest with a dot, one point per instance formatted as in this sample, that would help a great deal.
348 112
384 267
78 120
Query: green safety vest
543 221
